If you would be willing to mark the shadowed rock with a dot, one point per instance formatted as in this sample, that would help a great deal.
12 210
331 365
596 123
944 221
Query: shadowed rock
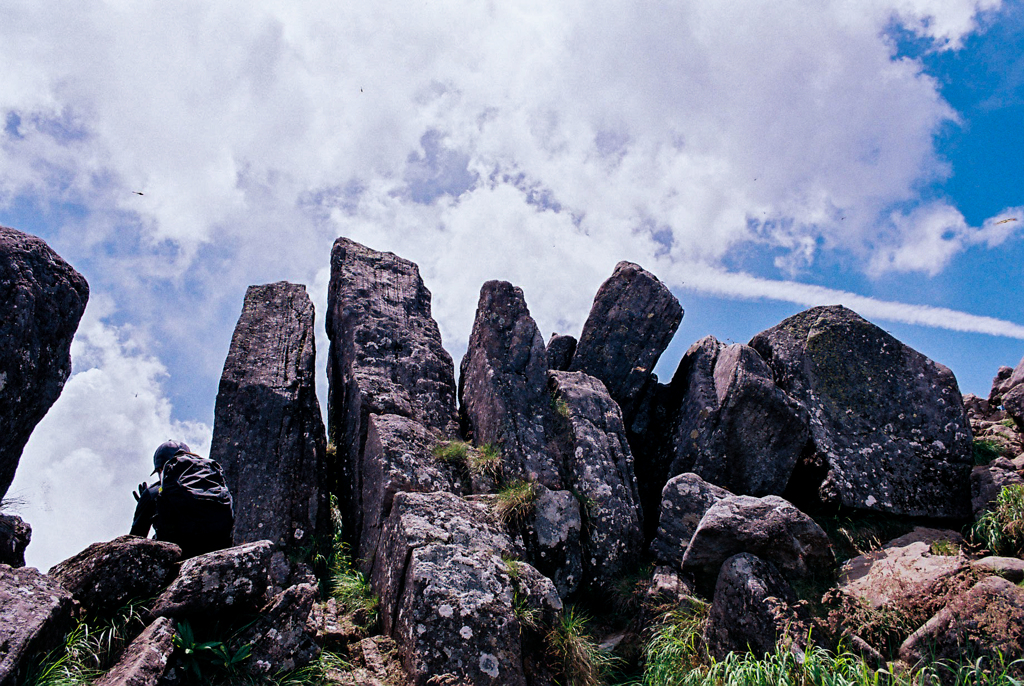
684 500
268 421
385 358
560 350
105 576
888 425
42 299
15 535
632 321
599 467
145 661
225 581
987 481
503 385
281 639
35 613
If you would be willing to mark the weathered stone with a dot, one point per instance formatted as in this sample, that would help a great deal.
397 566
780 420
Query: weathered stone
503 386
335 630
599 465
770 528
735 428
888 425
106 575
35 613
986 483
15 535
986 622
267 421
668 587
754 610
1006 379
684 500
1013 403
560 350
1010 568
282 639
553 539
883 576
378 663
632 321
385 358
42 299
145 661
397 457
230 580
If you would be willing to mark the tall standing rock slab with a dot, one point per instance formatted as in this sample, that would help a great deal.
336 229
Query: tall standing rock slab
632 321
888 424
268 434
385 358
35 612
15 535
42 299
503 385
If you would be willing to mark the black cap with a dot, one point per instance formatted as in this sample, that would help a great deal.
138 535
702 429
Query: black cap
165 452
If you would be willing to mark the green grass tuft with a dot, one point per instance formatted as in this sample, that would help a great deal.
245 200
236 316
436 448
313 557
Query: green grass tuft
451 452
986 450
1001 530
514 502
486 460
577 656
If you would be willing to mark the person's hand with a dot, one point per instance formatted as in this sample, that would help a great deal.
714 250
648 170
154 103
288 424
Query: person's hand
142 489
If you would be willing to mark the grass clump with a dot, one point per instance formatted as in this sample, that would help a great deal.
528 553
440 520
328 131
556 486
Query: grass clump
944 548
577 656
514 502
1001 530
676 648
1009 423
486 460
451 452
986 450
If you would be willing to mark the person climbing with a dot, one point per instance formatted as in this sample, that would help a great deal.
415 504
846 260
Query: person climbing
189 506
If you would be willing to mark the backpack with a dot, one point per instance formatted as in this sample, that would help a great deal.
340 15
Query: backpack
193 506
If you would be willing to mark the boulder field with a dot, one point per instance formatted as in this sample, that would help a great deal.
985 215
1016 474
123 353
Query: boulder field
480 512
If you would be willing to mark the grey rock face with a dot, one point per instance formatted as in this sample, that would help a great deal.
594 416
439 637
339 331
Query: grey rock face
145 661
106 575
553 539
769 527
735 427
684 500
753 609
632 321
1006 379
282 639
224 581
503 385
600 467
42 299
888 424
35 613
986 483
397 457
268 423
560 350
1010 568
1013 402
385 358
15 535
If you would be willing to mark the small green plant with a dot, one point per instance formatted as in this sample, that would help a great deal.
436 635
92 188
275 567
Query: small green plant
515 501
1008 422
561 407
1001 530
486 460
529 617
676 648
451 452
207 658
576 655
944 547
986 450
513 566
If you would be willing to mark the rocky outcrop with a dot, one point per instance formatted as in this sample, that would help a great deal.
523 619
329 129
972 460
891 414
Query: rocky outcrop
770 528
145 661
15 535
888 424
599 466
385 358
105 576
282 638
42 299
735 428
632 321
35 612
560 350
503 394
226 581
268 423
1013 403
1006 379
684 500
754 610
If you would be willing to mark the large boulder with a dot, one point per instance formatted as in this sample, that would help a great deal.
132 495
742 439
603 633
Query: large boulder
35 613
684 500
385 358
503 393
42 299
560 350
599 466
770 528
552 539
753 610
145 661
15 535
631 322
734 426
1006 379
225 581
1013 403
282 638
105 576
268 433
888 425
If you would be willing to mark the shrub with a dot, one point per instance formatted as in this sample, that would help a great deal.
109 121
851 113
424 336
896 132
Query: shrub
986 450
1001 530
577 656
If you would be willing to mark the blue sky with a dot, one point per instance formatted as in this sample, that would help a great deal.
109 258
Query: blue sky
758 158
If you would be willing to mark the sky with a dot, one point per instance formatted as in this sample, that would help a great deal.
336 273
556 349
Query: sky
759 158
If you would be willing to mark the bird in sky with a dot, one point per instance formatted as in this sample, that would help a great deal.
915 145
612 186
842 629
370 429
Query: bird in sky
138 192
1011 219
